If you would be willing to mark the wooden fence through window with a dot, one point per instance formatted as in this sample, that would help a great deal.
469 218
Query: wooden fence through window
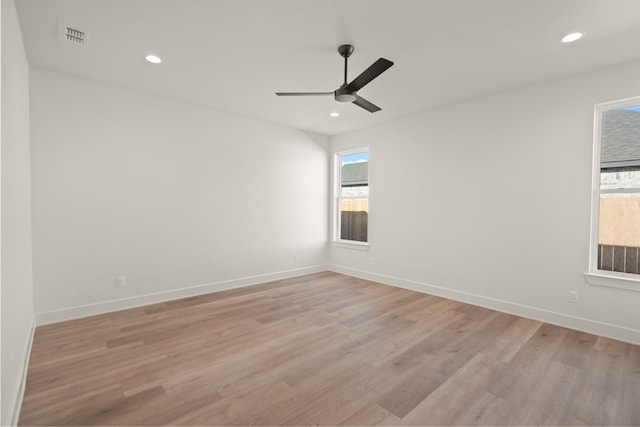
354 225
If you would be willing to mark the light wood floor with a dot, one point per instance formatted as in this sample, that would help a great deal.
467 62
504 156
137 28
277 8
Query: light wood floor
326 349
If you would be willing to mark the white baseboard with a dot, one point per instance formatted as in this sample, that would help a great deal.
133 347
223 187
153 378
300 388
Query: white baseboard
17 399
141 300
578 323
608 330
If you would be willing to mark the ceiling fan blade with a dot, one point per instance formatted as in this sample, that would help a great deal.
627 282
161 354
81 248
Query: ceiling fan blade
361 102
374 70
303 93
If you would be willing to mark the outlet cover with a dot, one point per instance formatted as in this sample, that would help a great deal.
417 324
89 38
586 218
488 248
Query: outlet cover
121 281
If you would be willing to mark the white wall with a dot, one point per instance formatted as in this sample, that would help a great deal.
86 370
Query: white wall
170 195
489 202
17 285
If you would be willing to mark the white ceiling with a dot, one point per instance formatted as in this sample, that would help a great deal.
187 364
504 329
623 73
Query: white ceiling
232 55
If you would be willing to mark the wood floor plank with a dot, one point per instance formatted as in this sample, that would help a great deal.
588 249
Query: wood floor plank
75 409
631 389
372 414
486 410
509 342
454 396
296 400
599 395
575 349
529 364
369 386
546 398
325 349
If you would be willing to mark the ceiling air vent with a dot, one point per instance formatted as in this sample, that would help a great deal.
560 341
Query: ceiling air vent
73 35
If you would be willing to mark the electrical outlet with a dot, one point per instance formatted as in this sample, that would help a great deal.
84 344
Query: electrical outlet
121 281
372 260
573 296
12 360
296 257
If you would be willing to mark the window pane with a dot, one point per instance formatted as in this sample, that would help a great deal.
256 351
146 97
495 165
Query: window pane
354 170
354 219
620 138
354 196
619 213
619 233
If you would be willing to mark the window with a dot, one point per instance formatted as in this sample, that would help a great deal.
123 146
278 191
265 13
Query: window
352 196
615 224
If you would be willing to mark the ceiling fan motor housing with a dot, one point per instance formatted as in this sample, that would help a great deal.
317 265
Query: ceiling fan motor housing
343 95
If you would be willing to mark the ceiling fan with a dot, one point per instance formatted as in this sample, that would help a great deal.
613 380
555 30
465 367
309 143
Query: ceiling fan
347 92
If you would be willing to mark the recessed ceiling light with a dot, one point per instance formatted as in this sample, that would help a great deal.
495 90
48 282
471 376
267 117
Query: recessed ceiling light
571 37
153 59
334 114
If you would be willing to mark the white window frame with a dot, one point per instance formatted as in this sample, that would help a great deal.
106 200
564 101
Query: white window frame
337 200
594 276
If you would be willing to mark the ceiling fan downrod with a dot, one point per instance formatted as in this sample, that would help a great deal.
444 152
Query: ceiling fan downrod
342 94
345 50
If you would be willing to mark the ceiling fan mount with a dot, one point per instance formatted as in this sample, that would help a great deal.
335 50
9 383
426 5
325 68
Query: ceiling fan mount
347 92
345 50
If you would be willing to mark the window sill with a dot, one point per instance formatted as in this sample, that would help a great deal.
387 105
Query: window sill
347 244
620 280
